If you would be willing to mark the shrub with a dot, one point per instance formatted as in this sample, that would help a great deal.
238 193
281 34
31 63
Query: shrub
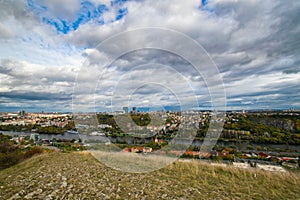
32 151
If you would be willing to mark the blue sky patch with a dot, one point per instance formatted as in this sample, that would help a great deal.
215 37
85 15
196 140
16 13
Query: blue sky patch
203 7
121 13
117 2
87 12
204 2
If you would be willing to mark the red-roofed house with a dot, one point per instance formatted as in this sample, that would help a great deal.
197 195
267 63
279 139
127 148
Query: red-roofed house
262 154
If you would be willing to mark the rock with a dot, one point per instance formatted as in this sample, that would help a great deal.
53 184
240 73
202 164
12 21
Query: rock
16 196
64 184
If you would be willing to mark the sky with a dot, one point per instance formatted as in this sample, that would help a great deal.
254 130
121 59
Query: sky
51 58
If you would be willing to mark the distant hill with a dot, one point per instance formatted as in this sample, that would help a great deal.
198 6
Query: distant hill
81 176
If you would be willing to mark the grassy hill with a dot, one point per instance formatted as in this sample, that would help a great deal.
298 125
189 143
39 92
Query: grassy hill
81 176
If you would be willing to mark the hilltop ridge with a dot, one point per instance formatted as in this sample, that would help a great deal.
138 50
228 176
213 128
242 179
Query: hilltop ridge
79 175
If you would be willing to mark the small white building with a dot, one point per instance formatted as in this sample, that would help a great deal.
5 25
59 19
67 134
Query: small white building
35 137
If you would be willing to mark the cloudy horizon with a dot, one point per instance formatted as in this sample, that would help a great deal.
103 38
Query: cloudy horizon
49 47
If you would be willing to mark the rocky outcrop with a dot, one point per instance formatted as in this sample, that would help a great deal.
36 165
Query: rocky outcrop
284 124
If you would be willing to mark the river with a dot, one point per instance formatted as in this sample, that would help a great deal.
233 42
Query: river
242 146
67 136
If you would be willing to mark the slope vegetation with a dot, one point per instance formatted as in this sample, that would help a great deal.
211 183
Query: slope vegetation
81 176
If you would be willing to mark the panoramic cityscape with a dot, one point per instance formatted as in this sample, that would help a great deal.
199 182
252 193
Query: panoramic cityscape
164 99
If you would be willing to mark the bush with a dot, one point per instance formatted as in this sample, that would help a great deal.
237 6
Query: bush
9 159
11 154
32 151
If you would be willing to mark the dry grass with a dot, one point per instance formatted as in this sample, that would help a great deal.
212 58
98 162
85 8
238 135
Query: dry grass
132 162
81 176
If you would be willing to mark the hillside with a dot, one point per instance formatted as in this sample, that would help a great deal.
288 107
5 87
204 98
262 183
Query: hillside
80 176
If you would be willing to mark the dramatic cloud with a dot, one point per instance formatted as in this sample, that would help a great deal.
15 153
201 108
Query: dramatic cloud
47 47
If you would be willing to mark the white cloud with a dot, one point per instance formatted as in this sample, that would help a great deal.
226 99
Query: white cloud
254 43
66 9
